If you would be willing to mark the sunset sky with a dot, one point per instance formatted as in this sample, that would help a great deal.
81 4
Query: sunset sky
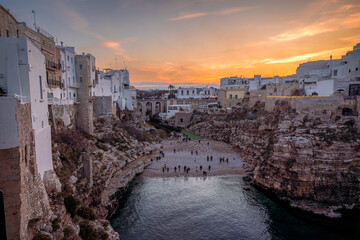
197 42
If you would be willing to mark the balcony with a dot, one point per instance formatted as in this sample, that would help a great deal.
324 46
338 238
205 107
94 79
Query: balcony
74 85
52 66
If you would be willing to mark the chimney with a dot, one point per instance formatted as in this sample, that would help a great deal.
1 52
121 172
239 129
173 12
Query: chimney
62 44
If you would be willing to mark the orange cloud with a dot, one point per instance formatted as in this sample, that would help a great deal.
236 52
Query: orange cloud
114 46
201 14
306 56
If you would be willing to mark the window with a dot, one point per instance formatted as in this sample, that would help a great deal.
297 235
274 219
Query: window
230 96
73 79
80 66
335 72
41 91
68 57
236 97
71 59
349 70
74 95
7 33
17 33
80 79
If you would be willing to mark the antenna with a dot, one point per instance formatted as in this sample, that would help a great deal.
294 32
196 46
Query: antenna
33 11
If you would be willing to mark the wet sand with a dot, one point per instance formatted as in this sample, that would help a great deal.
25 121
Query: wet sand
183 157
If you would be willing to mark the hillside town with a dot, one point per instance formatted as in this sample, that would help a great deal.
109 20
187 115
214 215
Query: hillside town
47 88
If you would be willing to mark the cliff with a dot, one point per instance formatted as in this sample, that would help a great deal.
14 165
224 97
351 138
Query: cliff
93 171
310 159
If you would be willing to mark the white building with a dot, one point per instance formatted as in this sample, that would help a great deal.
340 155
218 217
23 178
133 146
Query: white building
116 83
176 108
195 93
23 76
68 74
234 83
327 77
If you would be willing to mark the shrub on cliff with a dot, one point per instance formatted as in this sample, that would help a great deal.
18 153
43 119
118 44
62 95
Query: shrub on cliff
86 213
71 204
41 236
87 232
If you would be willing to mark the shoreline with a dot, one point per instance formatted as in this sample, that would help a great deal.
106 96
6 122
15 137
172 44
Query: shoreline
196 155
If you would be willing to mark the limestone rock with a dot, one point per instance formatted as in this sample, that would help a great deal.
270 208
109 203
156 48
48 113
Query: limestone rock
51 182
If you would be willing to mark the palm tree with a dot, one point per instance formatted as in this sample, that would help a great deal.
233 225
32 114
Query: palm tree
171 87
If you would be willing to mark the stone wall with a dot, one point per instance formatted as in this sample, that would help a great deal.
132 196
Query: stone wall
332 103
103 107
62 116
25 198
84 116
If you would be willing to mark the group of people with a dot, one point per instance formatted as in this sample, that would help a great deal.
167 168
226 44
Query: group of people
209 158
223 160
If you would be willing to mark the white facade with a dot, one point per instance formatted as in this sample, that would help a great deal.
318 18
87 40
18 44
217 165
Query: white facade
234 83
195 93
23 75
116 83
173 109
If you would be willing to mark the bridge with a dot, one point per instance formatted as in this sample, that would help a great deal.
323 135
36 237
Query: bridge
151 107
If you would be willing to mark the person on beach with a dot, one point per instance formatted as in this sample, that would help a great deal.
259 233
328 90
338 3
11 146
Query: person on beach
188 169
163 169
164 165
227 160
175 169
207 158
184 168
174 151
200 167
167 169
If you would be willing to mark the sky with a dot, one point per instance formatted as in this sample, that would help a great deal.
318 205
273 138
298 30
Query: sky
197 42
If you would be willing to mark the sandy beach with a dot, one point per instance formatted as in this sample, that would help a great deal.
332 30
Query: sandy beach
183 157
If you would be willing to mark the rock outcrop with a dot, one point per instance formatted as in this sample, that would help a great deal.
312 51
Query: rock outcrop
310 159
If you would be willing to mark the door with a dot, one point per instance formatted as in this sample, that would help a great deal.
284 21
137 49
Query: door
2 218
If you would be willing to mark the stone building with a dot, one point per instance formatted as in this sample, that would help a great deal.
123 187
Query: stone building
85 75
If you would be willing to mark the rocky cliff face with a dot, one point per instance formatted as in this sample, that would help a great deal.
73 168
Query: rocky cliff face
309 159
93 171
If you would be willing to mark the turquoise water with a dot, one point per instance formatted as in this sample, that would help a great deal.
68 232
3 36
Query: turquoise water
208 208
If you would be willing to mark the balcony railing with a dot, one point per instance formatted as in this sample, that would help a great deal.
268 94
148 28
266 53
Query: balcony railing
53 66
74 84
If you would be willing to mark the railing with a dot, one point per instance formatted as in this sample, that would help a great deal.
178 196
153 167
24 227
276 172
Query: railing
74 84
53 66
57 101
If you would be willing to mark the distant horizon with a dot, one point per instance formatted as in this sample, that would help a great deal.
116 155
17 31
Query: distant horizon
197 42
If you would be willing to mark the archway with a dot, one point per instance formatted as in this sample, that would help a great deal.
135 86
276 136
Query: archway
2 217
148 108
157 107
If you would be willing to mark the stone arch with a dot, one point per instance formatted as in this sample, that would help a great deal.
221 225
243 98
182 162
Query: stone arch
2 217
158 107
148 109
347 112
